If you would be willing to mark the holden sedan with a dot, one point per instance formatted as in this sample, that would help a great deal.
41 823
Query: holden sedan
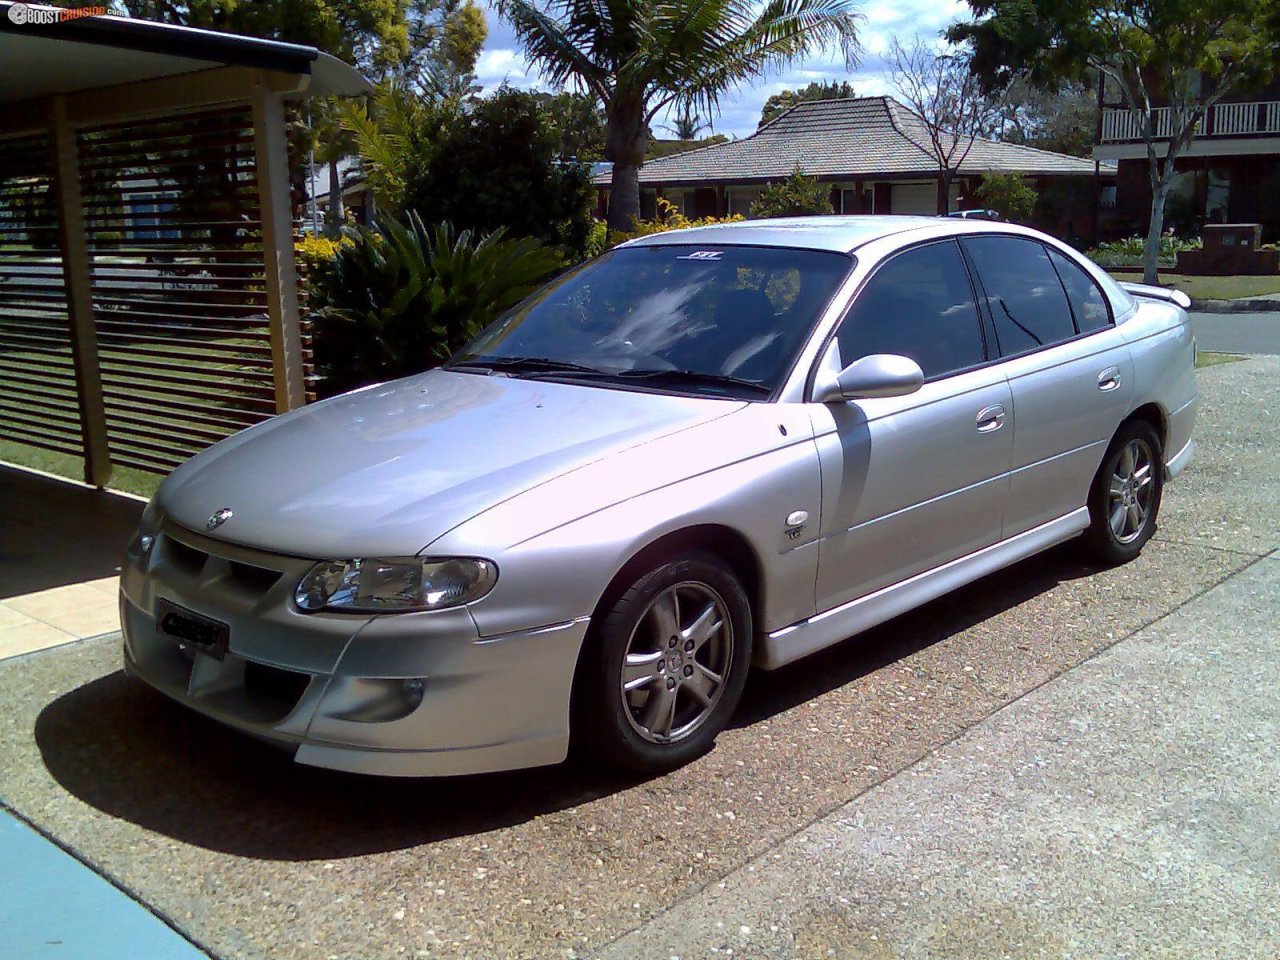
708 451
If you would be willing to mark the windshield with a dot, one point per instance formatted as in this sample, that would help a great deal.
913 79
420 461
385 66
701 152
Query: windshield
711 320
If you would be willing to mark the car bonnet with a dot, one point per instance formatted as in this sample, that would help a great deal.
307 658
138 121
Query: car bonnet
385 470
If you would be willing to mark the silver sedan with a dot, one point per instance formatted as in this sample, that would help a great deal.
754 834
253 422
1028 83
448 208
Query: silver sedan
706 451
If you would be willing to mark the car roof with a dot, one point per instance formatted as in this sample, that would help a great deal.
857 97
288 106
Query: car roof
841 234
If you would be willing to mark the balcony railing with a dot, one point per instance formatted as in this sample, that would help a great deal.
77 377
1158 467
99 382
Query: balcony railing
1127 125
1257 118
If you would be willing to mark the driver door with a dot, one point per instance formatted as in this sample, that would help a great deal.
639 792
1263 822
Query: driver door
912 482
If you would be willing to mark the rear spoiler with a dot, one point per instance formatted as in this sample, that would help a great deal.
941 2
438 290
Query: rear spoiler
1167 294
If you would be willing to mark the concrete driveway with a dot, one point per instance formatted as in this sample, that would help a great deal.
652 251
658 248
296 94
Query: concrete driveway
252 857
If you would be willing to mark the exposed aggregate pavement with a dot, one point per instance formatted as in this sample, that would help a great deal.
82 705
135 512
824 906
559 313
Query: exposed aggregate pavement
253 857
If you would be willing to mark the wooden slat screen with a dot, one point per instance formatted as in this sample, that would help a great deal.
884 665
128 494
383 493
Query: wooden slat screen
299 193
38 399
174 231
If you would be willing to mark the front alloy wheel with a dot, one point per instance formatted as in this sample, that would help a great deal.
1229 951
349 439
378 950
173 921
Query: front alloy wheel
663 666
674 670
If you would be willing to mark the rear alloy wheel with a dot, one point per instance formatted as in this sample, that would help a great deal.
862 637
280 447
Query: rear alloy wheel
665 667
1126 495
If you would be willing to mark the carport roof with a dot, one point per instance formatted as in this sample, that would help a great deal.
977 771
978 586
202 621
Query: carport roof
39 59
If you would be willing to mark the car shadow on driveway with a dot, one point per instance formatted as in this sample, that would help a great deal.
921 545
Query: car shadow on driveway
133 754
770 693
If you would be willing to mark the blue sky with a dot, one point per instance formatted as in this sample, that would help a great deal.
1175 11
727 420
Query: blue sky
501 59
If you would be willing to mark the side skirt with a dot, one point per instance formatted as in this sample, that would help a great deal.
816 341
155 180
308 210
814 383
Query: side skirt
831 626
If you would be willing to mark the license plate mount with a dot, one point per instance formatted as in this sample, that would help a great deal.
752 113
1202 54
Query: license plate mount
193 631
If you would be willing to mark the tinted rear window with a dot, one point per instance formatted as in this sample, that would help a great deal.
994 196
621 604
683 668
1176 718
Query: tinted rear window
1027 302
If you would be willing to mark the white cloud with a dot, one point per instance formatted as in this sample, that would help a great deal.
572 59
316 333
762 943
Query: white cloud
501 61
498 66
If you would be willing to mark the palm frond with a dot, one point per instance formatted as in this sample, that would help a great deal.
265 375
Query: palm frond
550 44
774 36
381 140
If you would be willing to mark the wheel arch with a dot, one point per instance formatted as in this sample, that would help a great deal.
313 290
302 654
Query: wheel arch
1155 415
721 541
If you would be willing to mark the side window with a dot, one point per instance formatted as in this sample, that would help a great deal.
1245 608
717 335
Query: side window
919 304
1023 291
1087 302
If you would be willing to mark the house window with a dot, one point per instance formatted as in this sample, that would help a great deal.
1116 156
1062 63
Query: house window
740 200
683 200
1217 192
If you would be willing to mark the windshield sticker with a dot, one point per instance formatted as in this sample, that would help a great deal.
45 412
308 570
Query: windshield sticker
703 255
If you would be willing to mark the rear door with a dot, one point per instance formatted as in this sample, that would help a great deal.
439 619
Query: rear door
1068 368
912 482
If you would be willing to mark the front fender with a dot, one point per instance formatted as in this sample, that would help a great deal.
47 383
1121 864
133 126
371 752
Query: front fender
558 546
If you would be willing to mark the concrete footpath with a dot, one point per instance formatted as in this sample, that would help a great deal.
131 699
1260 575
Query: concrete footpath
1129 808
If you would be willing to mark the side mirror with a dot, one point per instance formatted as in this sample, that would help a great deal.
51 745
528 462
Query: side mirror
877 375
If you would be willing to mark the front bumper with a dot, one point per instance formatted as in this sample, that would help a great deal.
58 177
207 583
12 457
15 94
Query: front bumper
331 688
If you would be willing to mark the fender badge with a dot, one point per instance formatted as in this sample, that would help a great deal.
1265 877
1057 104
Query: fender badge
795 523
219 517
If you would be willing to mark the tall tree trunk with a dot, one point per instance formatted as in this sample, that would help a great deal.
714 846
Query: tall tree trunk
624 197
944 192
625 144
337 216
1151 250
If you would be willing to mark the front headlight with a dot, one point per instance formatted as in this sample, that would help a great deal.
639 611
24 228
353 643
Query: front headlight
395 585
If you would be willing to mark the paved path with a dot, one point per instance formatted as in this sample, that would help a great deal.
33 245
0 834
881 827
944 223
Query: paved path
1237 332
53 907
60 549
1127 809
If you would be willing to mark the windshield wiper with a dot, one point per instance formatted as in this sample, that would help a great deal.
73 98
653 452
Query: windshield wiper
692 378
520 364
546 366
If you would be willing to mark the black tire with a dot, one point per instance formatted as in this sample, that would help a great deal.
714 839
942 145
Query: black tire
1111 538
609 724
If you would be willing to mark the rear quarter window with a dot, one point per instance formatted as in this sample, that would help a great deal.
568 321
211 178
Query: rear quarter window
1090 307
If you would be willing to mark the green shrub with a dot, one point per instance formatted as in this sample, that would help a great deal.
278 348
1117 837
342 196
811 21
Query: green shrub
668 217
400 297
796 196
597 239
481 164
1008 195
1128 252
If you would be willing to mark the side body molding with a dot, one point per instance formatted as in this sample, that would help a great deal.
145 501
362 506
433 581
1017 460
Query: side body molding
831 626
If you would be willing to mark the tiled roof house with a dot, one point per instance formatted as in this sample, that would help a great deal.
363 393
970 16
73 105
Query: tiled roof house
873 151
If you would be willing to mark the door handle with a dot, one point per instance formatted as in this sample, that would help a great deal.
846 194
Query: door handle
991 419
1109 378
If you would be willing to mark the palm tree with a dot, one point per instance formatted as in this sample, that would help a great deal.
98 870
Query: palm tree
687 123
639 56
